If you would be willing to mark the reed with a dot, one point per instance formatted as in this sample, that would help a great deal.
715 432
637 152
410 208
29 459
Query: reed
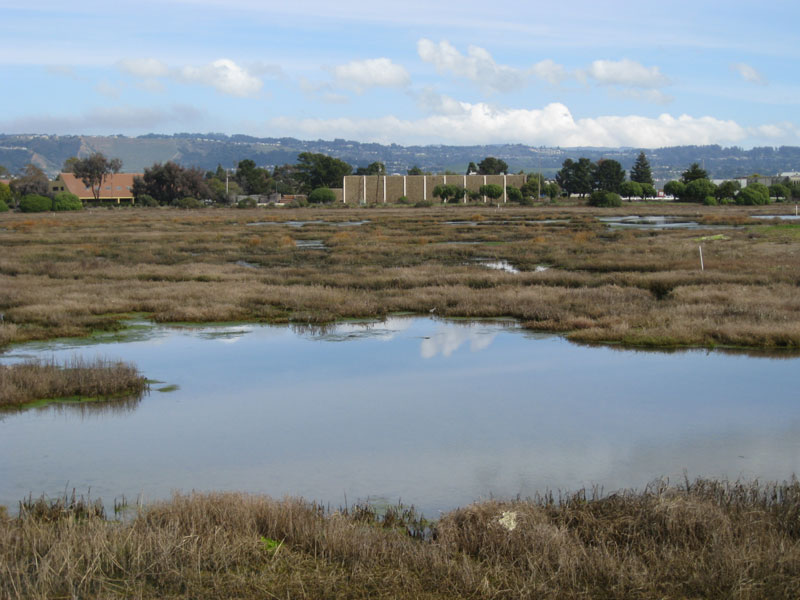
702 539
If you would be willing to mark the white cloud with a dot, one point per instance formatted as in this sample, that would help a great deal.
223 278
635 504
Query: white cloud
225 76
432 102
144 67
550 71
748 73
553 125
625 73
478 65
360 75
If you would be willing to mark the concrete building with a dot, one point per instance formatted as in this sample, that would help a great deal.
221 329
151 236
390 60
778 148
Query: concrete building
380 189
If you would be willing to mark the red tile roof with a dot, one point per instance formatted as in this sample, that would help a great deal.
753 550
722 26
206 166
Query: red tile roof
114 186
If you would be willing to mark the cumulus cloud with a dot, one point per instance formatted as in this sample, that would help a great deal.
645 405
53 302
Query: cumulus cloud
625 73
360 75
748 73
439 104
553 125
223 74
477 65
550 71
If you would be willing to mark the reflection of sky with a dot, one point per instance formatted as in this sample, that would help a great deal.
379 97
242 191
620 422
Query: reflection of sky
433 412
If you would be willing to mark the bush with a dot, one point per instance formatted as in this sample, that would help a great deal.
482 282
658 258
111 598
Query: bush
67 201
5 194
491 191
3 206
35 203
514 194
423 204
299 202
188 202
755 193
710 201
631 189
675 189
698 190
403 200
146 200
246 203
605 199
322 195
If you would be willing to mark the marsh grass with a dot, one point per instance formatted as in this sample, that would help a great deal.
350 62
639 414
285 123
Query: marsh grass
81 273
704 539
32 381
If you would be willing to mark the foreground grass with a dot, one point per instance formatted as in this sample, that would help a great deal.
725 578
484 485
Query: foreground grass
707 539
73 274
33 381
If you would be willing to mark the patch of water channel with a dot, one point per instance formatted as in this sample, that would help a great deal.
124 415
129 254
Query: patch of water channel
656 222
433 412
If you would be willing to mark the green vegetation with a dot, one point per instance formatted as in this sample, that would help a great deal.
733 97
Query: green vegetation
35 203
322 195
491 191
66 201
604 199
705 539
28 382
93 170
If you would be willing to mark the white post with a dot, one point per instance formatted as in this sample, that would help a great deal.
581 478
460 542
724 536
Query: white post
404 186
505 188
364 183
445 179
484 183
384 189
701 258
344 190
465 189
424 187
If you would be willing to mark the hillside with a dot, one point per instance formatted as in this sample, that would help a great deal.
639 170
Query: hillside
209 150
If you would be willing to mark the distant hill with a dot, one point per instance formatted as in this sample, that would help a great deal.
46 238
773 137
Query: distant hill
209 150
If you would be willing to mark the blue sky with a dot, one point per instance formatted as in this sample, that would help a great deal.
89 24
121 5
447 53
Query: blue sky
577 73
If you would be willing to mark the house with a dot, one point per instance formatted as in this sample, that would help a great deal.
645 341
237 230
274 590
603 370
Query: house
117 187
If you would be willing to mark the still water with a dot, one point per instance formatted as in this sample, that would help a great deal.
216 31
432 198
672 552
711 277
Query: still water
430 412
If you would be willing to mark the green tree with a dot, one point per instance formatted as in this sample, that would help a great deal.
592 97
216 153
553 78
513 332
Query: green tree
376 168
492 166
675 189
514 194
692 173
727 190
471 169
641 172
698 190
93 170
415 170
319 170
170 182
35 203
3 206
322 195
753 194
252 179
576 177
448 192
4 172
534 185
69 164
491 191
609 175
631 189
780 191
33 181
552 190
5 194
648 190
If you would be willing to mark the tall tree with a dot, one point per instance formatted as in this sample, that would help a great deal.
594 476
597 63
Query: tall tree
692 173
69 164
93 170
641 173
415 170
253 179
319 170
609 175
376 168
576 177
471 169
32 181
492 166
170 182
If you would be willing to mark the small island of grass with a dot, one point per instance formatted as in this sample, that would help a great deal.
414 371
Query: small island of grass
79 379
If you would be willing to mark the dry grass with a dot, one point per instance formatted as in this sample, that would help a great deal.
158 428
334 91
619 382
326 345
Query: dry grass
80 273
32 381
707 539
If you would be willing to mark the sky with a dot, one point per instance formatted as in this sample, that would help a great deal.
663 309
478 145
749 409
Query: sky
577 73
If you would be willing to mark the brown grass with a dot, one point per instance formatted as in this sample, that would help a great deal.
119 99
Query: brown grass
80 273
78 378
707 539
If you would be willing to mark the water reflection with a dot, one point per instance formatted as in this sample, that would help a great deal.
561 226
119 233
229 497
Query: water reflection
433 412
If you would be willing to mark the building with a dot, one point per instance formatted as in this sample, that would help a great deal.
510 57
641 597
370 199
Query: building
117 187
379 189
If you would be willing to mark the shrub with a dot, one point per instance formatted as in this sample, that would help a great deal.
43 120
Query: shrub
698 190
605 199
299 202
423 204
648 191
514 194
675 189
188 202
780 192
755 193
403 200
5 194
631 189
246 203
3 206
67 201
710 201
35 203
322 195
491 191
146 200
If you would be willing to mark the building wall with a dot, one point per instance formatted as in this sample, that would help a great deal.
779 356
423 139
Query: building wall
372 189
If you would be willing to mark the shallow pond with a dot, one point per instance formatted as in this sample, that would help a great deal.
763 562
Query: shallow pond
654 222
430 412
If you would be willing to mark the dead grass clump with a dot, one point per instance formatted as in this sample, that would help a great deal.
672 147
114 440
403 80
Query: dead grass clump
38 380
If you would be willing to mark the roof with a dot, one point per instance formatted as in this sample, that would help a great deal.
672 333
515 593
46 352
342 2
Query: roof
117 185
